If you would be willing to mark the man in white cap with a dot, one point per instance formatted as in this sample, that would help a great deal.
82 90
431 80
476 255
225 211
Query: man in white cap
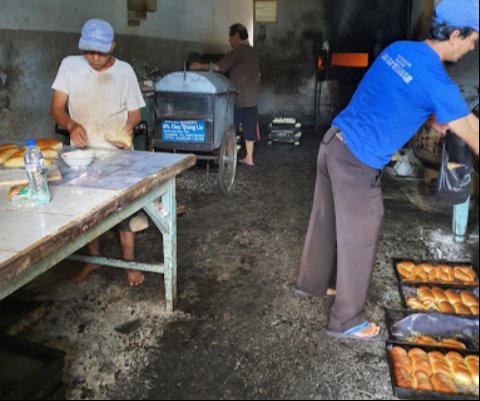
406 86
102 95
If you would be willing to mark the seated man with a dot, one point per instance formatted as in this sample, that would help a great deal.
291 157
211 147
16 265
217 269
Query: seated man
103 95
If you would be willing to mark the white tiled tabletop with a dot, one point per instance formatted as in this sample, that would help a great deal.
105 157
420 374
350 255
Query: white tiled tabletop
76 196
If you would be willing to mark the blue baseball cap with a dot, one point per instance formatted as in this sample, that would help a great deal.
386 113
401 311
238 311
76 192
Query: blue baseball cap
458 13
97 35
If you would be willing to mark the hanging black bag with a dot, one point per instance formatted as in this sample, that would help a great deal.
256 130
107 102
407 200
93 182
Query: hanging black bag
456 172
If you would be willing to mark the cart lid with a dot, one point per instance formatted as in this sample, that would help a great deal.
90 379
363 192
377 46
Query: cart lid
194 82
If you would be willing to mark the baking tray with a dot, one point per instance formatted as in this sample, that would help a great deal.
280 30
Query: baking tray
401 280
410 290
28 371
403 324
411 394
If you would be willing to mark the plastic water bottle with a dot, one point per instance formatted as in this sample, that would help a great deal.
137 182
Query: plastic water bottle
37 174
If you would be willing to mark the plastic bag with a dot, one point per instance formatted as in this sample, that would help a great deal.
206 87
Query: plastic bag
456 172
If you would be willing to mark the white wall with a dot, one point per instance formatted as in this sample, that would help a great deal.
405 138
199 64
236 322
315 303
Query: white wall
188 20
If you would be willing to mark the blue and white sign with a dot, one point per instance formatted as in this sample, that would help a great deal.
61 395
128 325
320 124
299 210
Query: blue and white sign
183 131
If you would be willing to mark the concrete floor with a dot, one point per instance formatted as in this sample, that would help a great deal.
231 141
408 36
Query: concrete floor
238 333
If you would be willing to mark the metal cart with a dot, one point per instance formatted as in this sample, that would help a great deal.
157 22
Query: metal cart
194 113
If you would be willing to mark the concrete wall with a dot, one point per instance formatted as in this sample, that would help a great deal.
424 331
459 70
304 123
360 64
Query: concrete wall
35 35
287 50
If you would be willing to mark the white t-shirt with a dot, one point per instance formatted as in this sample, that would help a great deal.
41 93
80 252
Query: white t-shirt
99 101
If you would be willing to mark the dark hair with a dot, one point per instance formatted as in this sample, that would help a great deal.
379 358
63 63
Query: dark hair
240 29
442 31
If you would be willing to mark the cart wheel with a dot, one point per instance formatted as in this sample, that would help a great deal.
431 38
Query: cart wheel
227 161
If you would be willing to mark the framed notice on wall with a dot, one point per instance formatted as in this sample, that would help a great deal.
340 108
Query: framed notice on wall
266 11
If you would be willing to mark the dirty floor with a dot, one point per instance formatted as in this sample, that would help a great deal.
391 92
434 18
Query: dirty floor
238 331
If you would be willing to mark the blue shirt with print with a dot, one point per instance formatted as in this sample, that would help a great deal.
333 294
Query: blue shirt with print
403 88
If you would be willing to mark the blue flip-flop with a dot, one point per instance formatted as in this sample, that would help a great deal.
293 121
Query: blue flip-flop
351 333
304 294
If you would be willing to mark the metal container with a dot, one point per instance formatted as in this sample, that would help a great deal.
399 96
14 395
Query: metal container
194 111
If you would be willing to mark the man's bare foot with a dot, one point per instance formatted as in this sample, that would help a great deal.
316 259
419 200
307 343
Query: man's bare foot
135 278
331 292
85 272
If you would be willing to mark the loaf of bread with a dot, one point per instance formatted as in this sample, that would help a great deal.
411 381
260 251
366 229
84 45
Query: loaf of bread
474 310
54 144
119 138
452 343
460 372
425 340
446 307
448 342
6 153
443 383
7 146
17 161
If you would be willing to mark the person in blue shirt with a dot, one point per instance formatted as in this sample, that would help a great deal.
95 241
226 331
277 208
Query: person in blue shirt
406 86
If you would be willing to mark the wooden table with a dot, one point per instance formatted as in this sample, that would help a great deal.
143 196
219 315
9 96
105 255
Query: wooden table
85 204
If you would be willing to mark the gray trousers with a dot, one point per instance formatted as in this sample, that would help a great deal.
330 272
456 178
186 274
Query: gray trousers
343 232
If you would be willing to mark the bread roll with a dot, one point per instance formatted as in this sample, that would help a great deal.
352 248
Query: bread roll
474 310
400 359
453 297
472 363
446 307
426 267
439 363
119 138
462 309
469 299
439 295
433 276
402 378
6 153
51 143
443 383
415 303
49 153
425 294
423 365
405 269
452 343
421 381
461 374
419 274
417 353
465 274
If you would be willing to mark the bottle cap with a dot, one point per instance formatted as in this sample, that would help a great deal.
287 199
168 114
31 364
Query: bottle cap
31 142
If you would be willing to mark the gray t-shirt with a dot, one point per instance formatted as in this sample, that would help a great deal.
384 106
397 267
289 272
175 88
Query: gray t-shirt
243 66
